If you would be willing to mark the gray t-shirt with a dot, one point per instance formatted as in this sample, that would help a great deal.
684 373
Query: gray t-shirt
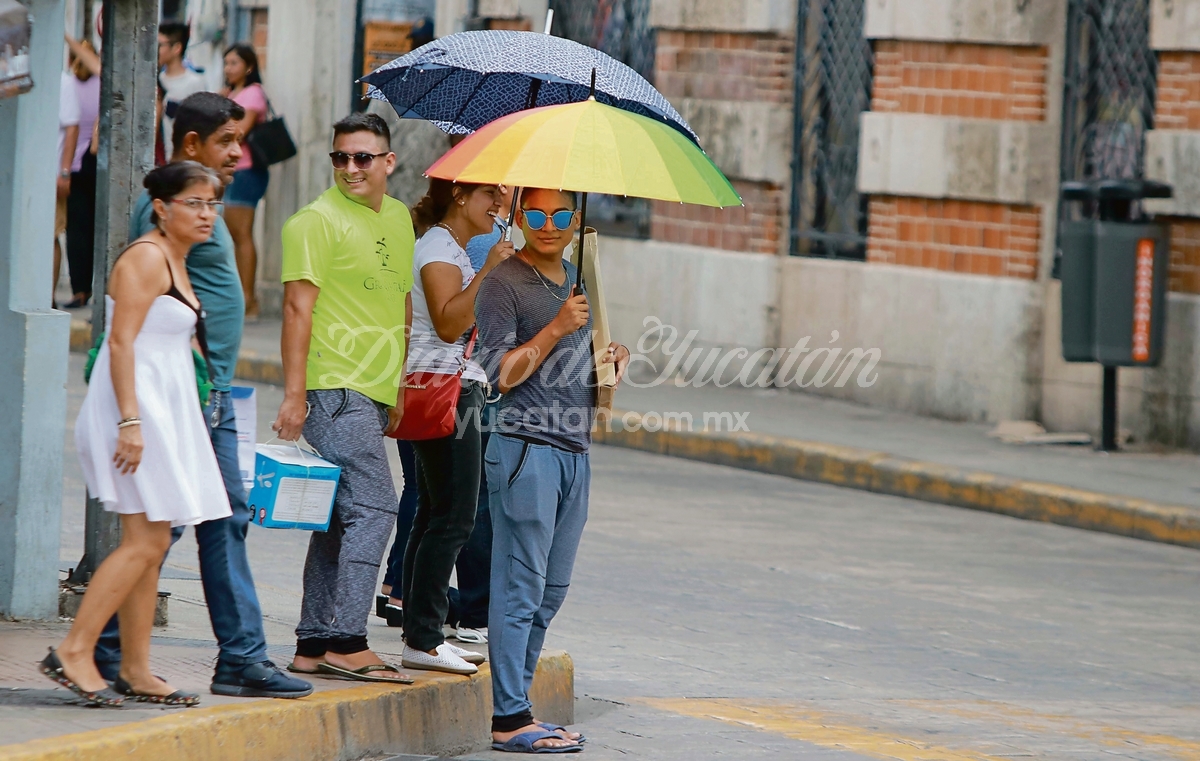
556 404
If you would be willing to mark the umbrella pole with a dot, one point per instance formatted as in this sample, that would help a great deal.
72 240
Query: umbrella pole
582 231
512 214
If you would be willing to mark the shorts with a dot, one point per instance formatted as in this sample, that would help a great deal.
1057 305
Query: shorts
247 188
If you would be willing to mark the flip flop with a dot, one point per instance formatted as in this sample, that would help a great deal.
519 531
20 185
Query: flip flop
364 674
311 672
523 743
559 728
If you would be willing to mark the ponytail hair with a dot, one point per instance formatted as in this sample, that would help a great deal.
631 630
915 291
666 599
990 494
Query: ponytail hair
437 202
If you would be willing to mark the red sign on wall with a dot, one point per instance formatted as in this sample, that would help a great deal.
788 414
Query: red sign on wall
1143 290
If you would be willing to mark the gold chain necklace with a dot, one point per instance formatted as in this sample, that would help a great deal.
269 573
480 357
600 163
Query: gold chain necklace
544 280
453 237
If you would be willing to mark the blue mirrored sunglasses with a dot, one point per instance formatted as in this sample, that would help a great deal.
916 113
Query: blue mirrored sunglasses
537 219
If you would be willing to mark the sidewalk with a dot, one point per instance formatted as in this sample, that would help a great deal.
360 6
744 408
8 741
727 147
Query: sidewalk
1151 495
439 715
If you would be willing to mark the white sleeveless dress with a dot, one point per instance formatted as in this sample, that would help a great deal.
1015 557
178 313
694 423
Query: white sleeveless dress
178 479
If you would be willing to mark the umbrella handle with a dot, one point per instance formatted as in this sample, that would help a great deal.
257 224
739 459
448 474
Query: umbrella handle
512 214
582 232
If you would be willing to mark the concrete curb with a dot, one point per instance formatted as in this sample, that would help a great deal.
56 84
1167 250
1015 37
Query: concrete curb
868 470
441 715
888 474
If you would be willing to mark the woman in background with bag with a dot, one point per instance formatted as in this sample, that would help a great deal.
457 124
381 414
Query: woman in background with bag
243 85
448 467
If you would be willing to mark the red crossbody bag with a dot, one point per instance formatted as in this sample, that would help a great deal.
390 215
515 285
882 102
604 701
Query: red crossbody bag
430 401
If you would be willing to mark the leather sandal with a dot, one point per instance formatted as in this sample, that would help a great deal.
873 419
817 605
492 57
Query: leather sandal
52 667
176 698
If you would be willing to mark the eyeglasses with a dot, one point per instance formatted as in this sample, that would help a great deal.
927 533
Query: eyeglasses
341 160
537 219
196 204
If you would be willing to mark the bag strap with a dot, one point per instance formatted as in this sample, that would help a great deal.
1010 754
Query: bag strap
471 343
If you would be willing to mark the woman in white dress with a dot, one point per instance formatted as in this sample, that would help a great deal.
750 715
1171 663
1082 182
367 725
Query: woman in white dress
141 437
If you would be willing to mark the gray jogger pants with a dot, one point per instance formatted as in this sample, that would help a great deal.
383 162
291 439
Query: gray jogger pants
343 562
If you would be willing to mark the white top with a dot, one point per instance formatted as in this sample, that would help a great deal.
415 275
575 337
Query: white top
178 88
178 480
68 114
427 352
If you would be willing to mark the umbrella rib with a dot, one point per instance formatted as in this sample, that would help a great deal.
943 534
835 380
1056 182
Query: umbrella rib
467 101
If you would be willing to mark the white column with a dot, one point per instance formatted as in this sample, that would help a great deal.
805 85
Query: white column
33 337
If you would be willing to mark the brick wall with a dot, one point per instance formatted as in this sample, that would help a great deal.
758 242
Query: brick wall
955 236
728 67
1005 82
754 67
1177 99
1177 106
950 79
756 227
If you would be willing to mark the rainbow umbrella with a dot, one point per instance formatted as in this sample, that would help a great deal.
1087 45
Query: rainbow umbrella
588 147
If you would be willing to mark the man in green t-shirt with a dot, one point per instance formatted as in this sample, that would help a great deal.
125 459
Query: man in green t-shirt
347 273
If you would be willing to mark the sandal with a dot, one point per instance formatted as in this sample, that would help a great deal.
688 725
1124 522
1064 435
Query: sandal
52 667
176 698
364 674
523 743
556 728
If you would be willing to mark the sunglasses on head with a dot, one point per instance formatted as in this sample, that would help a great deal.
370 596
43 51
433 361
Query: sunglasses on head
341 160
537 219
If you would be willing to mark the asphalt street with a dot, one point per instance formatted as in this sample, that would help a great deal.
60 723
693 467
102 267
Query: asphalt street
721 614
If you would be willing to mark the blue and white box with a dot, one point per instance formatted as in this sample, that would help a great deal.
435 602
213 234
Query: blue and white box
292 488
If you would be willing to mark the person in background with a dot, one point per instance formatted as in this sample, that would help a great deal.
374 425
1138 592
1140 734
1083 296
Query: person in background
444 289
176 77
244 86
536 330
81 203
207 131
347 271
156 471
68 136
389 603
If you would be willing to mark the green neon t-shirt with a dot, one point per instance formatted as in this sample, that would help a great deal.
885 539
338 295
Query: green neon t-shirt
362 262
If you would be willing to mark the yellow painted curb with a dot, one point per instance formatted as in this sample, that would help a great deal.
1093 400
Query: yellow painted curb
888 474
441 715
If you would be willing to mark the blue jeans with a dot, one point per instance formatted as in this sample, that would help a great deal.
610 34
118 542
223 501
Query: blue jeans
539 502
224 568
404 518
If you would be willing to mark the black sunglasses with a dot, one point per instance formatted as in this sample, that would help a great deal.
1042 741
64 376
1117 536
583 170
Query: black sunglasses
341 159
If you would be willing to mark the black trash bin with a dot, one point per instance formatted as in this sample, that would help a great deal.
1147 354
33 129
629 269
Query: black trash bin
1114 281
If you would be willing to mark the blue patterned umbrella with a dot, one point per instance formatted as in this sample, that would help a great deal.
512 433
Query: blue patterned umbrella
466 80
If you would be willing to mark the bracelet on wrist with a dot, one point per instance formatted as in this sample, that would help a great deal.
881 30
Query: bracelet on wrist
129 421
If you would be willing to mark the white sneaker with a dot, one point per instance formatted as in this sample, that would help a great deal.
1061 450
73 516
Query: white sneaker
471 636
445 660
470 656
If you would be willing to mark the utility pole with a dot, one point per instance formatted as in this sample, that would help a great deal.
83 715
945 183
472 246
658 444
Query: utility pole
128 82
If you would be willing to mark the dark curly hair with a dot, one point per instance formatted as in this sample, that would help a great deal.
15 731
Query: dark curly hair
437 202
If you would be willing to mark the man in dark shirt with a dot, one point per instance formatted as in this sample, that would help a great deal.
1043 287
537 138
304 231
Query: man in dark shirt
207 131
537 349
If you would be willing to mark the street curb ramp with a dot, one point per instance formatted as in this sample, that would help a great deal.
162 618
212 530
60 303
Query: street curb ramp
888 474
440 715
